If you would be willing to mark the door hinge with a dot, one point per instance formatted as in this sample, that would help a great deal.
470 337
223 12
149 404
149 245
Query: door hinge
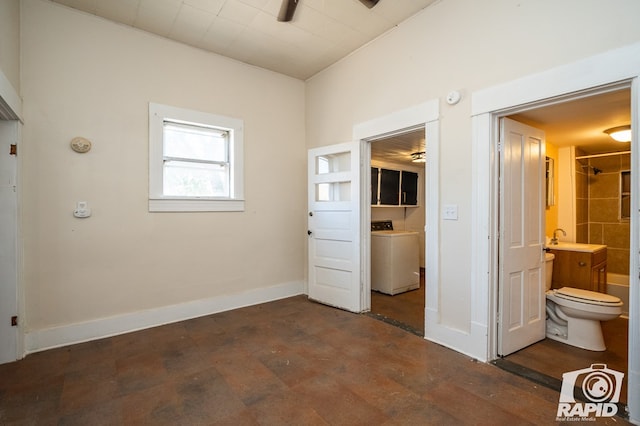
14 321
13 149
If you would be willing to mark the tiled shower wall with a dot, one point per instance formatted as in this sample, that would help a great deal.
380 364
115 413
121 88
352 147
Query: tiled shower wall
598 218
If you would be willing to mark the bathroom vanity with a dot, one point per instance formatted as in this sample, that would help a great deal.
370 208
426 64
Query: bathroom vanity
579 266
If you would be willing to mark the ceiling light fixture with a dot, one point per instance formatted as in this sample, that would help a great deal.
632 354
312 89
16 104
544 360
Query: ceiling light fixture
620 133
419 157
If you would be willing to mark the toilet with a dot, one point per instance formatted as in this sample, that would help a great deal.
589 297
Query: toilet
574 315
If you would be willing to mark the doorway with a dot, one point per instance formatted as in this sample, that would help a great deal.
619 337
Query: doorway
584 203
397 168
422 116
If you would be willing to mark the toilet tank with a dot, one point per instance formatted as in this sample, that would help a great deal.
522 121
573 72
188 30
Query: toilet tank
548 259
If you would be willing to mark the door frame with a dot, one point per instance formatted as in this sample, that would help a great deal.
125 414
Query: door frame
555 85
423 115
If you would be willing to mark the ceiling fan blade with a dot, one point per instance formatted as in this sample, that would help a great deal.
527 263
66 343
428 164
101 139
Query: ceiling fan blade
369 3
287 9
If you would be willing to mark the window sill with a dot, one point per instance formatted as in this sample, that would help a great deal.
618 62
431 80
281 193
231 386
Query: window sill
199 205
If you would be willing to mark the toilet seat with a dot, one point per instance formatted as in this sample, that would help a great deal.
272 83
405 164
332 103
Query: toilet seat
586 296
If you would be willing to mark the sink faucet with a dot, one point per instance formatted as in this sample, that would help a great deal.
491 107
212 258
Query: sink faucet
554 240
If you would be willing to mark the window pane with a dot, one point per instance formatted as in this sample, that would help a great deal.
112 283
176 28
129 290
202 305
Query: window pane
195 179
194 142
333 163
323 165
336 191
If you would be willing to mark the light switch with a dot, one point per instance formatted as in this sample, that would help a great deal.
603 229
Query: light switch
450 212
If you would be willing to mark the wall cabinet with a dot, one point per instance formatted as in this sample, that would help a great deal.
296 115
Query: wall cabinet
389 187
375 189
393 187
579 269
409 188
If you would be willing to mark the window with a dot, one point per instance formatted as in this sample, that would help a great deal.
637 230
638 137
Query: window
195 161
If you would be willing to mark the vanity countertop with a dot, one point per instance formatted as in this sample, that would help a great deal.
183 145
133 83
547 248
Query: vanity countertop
587 248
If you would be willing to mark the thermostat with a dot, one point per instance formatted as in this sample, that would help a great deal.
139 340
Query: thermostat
80 145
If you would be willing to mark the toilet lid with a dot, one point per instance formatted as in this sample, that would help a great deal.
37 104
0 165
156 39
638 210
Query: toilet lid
586 296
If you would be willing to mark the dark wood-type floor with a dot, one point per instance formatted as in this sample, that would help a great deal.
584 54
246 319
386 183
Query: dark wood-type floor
548 357
406 309
286 362
554 358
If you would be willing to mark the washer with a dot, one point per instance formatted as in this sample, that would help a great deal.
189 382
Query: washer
395 259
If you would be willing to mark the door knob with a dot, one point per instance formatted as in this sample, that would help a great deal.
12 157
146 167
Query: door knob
309 232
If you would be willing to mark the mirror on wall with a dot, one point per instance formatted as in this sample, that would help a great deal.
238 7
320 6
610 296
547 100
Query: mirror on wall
549 182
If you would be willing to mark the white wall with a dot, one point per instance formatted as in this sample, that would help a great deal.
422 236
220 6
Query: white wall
465 45
84 76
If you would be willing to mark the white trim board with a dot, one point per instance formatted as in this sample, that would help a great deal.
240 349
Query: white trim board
397 121
40 340
465 342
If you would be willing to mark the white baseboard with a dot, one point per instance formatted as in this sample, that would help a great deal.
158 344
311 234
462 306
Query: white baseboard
472 343
40 340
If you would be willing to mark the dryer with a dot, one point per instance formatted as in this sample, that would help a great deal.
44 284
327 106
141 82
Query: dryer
395 259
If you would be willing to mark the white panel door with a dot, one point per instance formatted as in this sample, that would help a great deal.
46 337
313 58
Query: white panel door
521 285
333 225
8 242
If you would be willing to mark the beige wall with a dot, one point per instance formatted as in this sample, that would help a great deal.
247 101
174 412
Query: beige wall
465 45
83 76
10 41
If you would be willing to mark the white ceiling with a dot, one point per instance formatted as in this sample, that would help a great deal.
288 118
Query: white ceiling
321 32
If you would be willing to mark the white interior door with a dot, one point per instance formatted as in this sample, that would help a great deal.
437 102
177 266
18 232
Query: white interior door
522 278
8 243
333 225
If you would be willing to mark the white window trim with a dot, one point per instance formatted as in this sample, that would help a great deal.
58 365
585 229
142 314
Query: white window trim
162 203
